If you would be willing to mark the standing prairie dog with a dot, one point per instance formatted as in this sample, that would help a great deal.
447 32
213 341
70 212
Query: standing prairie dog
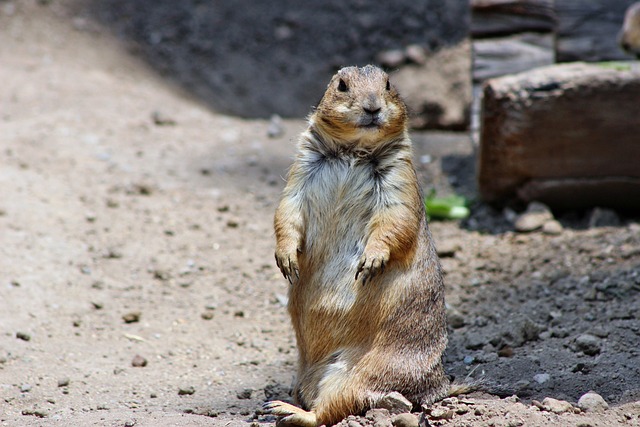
366 296
630 35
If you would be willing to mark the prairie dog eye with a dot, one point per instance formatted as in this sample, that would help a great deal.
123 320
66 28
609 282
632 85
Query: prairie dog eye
342 86
388 87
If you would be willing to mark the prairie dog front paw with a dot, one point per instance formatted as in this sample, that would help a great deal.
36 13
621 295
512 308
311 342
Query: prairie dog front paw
372 262
287 261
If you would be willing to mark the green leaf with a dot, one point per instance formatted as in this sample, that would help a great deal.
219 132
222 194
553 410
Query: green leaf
450 207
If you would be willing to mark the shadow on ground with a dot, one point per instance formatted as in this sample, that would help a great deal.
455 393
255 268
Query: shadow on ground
254 58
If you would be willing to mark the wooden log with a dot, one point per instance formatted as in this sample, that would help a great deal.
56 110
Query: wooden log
490 18
588 29
567 135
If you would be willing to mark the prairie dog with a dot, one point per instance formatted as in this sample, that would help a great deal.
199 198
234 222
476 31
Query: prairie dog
366 295
630 35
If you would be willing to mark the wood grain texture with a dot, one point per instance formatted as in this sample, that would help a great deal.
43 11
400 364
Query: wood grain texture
562 124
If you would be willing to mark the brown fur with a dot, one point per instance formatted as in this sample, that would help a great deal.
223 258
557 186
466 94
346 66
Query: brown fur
366 296
630 35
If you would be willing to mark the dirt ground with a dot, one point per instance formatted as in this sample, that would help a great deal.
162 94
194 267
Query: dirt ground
135 229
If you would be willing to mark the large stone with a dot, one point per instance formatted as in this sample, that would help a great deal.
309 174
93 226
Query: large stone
438 91
562 135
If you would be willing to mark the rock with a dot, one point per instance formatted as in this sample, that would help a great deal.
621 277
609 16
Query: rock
26 388
603 218
441 414
552 228
455 318
536 215
275 128
474 341
541 378
416 54
556 406
207 315
447 248
132 317
486 357
379 417
438 90
592 402
23 336
405 420
588 344
64 382
391 58
138 361
505 351
161 119
186 390
277 391
244 394
395 403
40 413
517 331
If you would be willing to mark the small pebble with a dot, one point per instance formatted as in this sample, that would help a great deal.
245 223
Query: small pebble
23 336
275 128
541 378
405 420
186 390
536 215
441 414
416 53
26 388
447 248
455 318
244 394
207 315
132 317
161 119
64 382
592 402
35 412
138 361
505 351
395 403
588 344
552 228
556 406
391 58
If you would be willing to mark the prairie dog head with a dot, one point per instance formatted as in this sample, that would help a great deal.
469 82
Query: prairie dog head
630 35
360 106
